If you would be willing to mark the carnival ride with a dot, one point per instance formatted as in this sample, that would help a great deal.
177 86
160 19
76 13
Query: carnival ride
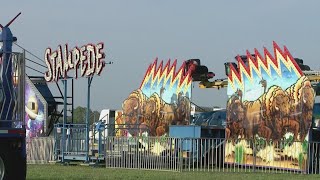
73 143
160 107
135 117
298 125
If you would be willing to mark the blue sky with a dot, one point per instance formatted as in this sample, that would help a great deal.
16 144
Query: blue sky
136 32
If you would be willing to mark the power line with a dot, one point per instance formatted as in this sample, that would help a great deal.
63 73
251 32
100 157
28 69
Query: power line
36 62
29 52
34 69
32 60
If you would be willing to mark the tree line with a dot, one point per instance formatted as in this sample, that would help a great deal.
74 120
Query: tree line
79 116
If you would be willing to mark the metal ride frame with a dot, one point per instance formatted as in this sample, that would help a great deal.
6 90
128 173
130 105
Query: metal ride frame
67 148
64 151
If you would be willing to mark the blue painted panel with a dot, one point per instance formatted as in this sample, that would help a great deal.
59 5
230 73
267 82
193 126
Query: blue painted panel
185 131
190 133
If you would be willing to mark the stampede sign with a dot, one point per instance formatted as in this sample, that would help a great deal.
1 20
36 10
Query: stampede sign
88 58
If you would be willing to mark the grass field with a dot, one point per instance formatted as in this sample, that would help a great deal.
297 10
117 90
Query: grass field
83 172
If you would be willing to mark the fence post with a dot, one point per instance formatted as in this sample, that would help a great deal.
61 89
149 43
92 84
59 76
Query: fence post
181 156
254 154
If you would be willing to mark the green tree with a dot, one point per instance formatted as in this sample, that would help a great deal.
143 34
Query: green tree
94 116
79 115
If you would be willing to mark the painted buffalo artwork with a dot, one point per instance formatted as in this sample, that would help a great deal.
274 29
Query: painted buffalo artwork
161 100
270 110
153 115
274 113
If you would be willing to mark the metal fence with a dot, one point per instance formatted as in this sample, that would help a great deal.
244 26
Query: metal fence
213 155
143 153
195 154
74 143
40 150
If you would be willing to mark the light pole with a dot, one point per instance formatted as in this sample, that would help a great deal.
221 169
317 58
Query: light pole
88 118
64 118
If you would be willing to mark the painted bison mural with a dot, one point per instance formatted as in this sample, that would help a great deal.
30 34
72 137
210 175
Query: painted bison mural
154 113
276 111
302 100
266 116
269 111
132 109
162 100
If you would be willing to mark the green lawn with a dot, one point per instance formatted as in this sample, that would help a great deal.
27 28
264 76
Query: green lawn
83 172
